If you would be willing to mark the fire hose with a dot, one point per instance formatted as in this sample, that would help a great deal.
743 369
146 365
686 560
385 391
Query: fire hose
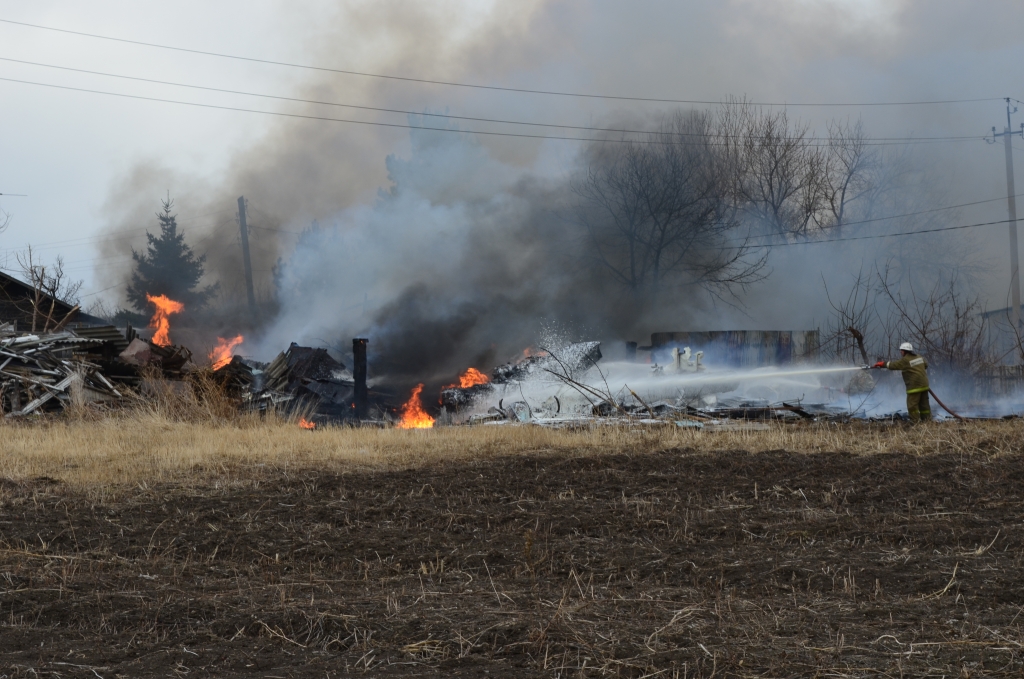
941 404
962 419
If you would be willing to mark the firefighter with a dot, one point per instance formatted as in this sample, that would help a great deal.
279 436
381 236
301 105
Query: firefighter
915 375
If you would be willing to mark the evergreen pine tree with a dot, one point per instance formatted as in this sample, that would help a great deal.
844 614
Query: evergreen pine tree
168 267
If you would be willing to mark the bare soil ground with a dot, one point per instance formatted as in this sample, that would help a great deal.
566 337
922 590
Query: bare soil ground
675 562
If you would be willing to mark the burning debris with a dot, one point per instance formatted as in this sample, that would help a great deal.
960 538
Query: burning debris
569 385
161 323
49 372
471 378
222 354
563 385
413 414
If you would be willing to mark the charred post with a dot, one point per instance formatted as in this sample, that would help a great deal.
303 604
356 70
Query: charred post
359 376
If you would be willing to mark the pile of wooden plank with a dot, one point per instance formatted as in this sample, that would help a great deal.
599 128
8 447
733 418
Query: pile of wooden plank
44 372
51 371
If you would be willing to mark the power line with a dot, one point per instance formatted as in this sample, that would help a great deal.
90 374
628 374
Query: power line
102 239
919 212
473 85
773 245
886 235
134 233
909 142
83 264
416 113
99 291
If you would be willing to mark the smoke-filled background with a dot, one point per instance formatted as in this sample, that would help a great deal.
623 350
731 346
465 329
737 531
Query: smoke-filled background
448 247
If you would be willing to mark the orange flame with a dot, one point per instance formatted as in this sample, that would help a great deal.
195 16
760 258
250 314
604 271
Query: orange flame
470 378
530 351
306 424
413 414
222 353
161 322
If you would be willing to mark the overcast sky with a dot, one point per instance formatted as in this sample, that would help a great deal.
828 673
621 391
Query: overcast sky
95 166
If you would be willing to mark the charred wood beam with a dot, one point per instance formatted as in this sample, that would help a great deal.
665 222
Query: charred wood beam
359 376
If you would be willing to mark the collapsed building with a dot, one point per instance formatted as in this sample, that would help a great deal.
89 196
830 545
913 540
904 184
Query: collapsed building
52 355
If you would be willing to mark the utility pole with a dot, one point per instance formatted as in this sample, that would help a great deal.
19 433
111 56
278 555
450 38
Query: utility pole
1011 206
248 263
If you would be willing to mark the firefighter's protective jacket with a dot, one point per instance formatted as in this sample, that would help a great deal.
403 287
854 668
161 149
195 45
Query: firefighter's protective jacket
914 370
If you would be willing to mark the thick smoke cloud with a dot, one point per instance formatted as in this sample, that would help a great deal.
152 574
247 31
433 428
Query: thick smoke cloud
456 249
459 263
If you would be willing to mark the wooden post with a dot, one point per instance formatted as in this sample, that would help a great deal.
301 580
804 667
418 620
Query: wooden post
359 375
245 258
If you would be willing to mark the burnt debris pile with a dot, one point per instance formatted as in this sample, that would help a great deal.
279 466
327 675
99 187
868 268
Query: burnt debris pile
306 379
559 385
42 372
108 367
570 385
572 360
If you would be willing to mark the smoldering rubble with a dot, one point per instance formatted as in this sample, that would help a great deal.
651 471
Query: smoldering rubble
772 376
102 366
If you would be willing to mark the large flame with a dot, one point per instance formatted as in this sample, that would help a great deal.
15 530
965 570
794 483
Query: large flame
470 378
413 414
222 353
161 321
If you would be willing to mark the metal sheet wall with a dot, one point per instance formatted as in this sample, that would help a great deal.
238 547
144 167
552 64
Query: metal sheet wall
748 348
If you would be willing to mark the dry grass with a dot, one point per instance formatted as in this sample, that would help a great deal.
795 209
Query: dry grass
184 534
150 446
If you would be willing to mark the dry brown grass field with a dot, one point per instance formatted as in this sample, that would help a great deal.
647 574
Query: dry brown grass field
154 544
107 453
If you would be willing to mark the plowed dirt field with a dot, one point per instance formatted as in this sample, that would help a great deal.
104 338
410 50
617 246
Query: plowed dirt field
670 564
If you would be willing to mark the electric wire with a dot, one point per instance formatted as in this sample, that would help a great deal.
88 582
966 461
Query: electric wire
85 264
133 232
861 221
104 239
99 291
417 113
447 83
882 235
909 142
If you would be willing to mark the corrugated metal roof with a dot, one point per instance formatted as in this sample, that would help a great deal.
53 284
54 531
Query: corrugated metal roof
107 333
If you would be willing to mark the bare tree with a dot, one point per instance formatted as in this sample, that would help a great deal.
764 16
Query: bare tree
945 321
845 175
852 322
789 182
659 212
941 318
50 285
612 213
777 167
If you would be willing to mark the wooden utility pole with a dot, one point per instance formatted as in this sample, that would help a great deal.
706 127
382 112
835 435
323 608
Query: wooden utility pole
1011 205
245 257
